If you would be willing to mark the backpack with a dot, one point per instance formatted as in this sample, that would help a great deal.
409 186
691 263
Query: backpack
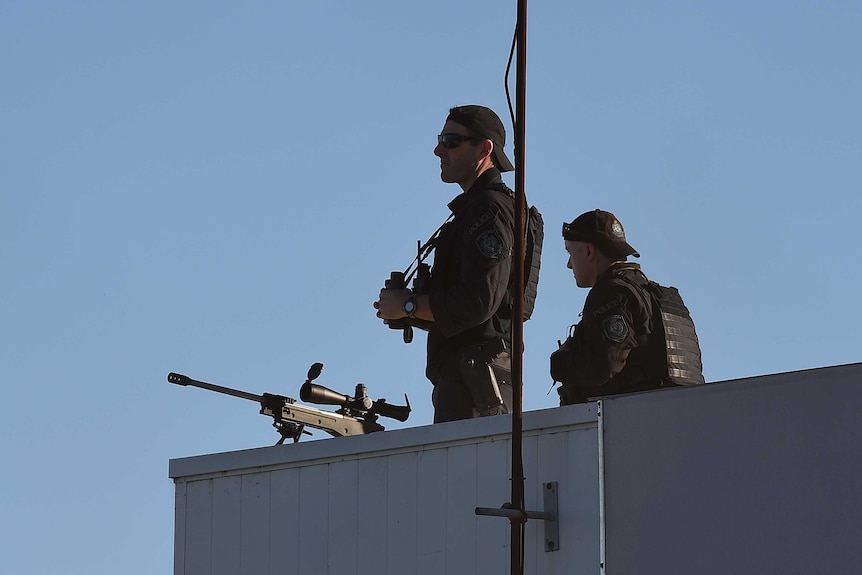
533 259
535 236
671 319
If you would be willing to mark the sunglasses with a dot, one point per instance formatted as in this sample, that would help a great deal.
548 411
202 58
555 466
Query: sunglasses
452 141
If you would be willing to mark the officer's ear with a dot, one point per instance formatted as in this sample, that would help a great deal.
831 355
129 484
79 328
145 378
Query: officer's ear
487 147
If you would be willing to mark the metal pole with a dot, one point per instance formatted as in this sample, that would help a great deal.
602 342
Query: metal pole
516 513
517 499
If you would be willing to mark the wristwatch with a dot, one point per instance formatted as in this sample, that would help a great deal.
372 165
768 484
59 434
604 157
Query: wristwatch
410 306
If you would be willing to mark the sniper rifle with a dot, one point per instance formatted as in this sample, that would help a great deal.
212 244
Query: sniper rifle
356 415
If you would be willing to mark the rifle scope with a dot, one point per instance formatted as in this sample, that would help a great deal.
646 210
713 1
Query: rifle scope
313 393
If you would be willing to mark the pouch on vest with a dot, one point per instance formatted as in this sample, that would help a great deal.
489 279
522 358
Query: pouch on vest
563 361
483 368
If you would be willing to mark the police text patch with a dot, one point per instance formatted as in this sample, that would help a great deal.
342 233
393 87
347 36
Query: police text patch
615 328
616 302
489 244
488 216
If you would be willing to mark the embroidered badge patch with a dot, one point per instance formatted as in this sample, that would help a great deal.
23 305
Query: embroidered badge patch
615 328
489 244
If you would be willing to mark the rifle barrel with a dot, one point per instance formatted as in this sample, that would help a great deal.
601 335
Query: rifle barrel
181 379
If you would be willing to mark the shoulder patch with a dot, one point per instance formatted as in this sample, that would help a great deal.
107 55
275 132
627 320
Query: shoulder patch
489 244
615 328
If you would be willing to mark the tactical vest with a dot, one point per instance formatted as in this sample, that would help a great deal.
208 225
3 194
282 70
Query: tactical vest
533 259
534 236
670 318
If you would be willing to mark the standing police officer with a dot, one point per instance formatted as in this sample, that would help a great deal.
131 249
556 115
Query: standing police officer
619 346
467 305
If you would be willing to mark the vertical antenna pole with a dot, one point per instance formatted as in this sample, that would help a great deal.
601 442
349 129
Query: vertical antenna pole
517 499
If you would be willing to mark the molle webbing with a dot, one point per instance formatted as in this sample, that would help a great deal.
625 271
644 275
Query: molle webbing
684 365
535 236
534 231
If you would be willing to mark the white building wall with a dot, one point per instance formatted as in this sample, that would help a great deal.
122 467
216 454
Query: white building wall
399 502
754 476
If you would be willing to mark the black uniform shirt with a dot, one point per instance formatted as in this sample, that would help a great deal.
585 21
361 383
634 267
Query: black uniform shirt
472 269
612 335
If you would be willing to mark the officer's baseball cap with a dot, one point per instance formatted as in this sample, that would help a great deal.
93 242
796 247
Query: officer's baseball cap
602 229
483 122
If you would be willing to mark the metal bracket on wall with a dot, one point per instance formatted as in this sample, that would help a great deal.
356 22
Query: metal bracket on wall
549 515
552 526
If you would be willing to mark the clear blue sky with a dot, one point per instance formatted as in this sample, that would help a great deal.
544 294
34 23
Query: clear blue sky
221 188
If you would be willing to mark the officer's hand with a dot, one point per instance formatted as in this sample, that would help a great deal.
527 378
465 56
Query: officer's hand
377 307
391 303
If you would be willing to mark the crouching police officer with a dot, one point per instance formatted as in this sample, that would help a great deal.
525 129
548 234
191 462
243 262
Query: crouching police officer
621 344
466 305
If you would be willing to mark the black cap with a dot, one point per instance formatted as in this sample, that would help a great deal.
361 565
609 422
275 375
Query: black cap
602 229
483 122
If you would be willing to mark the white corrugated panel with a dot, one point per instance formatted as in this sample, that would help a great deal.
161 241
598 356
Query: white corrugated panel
399 502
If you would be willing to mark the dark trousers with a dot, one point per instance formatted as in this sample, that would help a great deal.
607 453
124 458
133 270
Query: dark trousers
453 401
